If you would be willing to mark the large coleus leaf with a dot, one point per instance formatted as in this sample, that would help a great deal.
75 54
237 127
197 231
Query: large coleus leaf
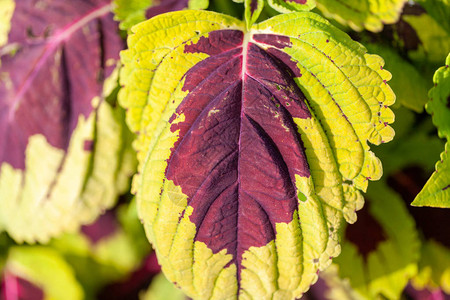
64 155
252 146
381 250
362 14
131 12
436 192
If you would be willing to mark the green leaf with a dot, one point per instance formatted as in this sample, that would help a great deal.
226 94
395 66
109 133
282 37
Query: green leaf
286 6
384 271
130 12
162 289
436 191
410 87
46 269
198 4
439 10
362 14
173 64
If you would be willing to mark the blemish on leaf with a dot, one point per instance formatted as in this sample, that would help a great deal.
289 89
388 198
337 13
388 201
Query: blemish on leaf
301 196
88 145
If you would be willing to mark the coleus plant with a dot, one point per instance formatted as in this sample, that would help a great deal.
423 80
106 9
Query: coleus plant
252 140
252 143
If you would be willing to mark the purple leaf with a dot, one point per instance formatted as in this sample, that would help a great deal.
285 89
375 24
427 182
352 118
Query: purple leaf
63 51
241 135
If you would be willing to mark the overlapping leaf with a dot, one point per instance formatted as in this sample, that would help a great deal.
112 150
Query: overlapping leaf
64 155
437 190
362 14
252 146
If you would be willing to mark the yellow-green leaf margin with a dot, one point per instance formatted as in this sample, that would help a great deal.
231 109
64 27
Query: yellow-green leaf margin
348 98
436 191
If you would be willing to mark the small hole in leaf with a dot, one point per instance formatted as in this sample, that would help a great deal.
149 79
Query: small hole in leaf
315 260
288 104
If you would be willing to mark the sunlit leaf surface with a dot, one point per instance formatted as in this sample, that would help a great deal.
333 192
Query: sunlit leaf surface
437 190
252 146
